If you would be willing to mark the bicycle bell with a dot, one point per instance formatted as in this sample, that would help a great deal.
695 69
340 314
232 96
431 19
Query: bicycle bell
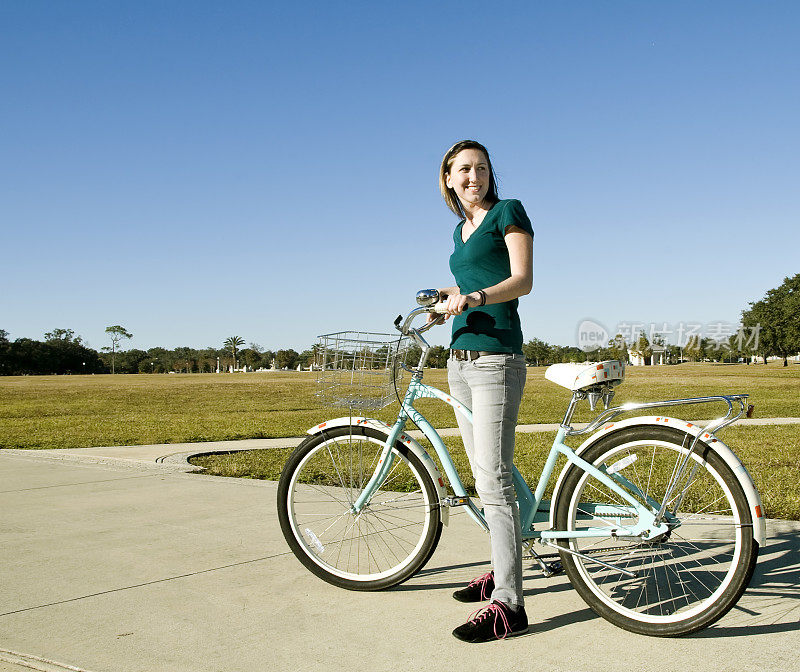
427 297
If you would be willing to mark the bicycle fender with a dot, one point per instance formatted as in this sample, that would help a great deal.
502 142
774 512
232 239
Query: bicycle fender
413 445
753 498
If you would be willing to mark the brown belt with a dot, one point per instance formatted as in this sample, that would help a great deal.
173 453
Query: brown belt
469 355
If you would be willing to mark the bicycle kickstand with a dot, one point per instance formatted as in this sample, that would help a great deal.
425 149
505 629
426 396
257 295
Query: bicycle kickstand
548 569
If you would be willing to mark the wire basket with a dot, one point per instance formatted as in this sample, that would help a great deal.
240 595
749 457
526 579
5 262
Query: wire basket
359 369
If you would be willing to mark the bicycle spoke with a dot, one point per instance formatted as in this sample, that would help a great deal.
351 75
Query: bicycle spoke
371 526
676 572
328 494
389 530
336 468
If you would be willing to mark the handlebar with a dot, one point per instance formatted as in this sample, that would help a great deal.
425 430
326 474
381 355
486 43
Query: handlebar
405 328
429 303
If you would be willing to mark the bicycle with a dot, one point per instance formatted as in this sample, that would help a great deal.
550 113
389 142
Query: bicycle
654 520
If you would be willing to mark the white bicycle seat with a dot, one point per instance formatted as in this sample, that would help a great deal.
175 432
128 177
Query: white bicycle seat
580 376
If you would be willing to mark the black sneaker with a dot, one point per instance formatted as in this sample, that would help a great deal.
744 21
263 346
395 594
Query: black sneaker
496 621
477 590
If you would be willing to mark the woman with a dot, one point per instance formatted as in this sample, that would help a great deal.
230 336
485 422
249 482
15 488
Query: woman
493 266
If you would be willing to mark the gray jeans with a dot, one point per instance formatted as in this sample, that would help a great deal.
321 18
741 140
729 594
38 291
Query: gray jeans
491 386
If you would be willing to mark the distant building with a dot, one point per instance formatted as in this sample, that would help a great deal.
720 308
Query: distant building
659 356
774 358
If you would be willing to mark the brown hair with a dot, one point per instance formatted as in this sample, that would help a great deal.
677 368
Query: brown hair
447 163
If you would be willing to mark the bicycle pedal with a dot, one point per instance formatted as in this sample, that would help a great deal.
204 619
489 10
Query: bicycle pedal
455 501
555 567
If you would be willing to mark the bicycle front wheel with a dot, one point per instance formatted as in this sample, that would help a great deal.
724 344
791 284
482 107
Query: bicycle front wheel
689 577
388 540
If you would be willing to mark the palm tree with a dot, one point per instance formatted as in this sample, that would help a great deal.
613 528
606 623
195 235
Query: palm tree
232 343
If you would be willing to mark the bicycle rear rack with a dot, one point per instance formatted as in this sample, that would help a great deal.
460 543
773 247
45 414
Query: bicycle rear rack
613 413
708 431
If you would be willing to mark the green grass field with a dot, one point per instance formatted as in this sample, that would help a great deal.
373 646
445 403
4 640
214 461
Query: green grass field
771 454
79 411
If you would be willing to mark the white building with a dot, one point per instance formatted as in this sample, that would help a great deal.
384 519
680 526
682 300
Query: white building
659 356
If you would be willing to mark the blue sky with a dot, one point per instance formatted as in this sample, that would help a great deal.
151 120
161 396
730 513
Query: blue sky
197 170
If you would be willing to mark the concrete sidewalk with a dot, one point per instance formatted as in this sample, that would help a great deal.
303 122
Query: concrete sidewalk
131 564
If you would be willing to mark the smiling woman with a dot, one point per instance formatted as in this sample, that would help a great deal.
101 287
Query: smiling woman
467 175
492 263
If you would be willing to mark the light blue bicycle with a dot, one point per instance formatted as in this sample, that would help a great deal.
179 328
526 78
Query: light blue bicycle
655 521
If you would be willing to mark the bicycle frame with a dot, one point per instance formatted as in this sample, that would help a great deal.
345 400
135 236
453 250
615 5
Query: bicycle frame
533 507
653 518
622 550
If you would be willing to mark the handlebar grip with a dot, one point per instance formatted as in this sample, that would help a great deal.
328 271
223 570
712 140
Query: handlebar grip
440 308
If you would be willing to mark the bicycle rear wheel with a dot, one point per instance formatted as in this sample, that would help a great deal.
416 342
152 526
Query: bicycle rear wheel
385 543
689 577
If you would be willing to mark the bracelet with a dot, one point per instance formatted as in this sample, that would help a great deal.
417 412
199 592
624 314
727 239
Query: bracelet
483 297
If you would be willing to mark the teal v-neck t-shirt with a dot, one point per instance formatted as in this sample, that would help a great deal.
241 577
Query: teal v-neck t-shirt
482 262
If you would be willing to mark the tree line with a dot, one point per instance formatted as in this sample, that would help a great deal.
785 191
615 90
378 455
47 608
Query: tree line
60 352
770 328
63 352
775 319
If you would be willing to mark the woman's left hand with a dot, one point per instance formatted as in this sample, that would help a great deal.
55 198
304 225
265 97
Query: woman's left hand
458 303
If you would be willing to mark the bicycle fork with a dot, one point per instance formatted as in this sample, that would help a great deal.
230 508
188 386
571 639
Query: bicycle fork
385 463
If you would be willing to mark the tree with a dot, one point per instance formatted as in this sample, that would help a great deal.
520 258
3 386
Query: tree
207 359
413 354
618 348
437 357
233 343
128 361
63 335
774 320
158 360
55 356
117 333
318 353
184 357
5 351
641 347
536 352
692 348
739 347
307 358
286 359
252 358
698 348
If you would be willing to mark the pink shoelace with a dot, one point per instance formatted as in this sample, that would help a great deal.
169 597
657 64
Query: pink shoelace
481 581
497 610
